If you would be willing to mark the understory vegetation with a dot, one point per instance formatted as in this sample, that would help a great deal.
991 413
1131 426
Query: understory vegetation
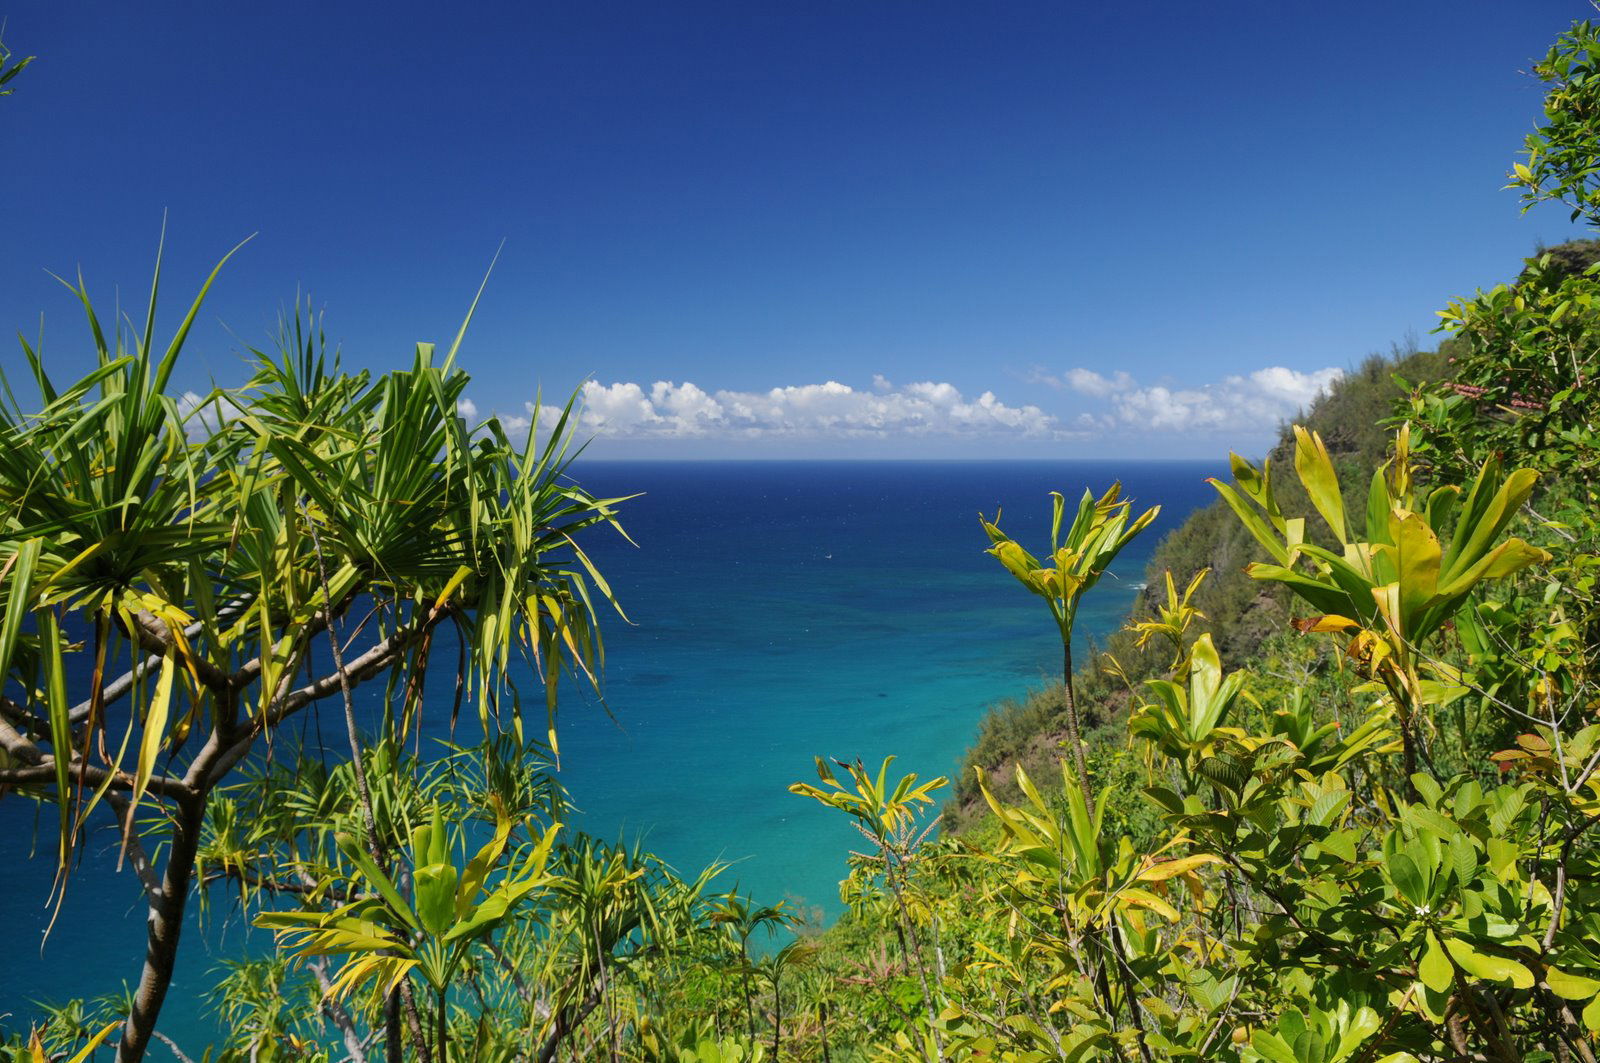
1329 797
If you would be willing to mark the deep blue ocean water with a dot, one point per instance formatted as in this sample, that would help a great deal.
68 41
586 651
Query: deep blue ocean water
780 611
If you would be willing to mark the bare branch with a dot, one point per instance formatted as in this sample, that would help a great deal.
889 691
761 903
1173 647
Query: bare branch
217 759
130 839
335 1011
16 744
153 635
45 772
170 1043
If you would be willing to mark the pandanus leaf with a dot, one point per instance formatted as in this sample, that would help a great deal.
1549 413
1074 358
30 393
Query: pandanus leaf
19 572
38 1055
55 692
155 725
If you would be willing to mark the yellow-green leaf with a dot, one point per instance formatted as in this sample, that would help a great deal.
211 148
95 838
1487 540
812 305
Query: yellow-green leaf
1170 868
1434 968
1487 966
155 725
1315 467
1570 986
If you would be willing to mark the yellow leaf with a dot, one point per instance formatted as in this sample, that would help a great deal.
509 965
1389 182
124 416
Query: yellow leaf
1144 899
155 725
1171 868
87 1050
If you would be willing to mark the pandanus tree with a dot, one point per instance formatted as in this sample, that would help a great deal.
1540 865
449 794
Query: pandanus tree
740 919
170 574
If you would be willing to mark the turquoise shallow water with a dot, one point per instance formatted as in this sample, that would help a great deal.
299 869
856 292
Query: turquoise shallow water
781 610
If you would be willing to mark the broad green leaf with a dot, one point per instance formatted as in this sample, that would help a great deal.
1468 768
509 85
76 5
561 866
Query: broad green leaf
1487 966
435 890
1407 879
1273 1047
376 878
1434 968
1591 1015
1570 986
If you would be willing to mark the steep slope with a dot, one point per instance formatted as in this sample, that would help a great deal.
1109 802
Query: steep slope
1240 613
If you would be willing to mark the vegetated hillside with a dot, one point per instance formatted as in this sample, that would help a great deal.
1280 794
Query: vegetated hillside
1240 613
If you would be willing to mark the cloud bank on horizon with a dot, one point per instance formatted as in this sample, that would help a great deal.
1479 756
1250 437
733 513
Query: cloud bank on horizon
1237 404
667 410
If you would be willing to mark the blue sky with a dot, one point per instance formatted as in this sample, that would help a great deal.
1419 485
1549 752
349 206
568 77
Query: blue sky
775 229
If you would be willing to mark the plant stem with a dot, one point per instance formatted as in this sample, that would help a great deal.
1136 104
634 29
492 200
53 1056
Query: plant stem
1129 997
444 1026
369 821
164 926
749 1008
777 1015
897 888
1080 761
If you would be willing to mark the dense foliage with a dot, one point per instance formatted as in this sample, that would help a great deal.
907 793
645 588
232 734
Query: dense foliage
1329 798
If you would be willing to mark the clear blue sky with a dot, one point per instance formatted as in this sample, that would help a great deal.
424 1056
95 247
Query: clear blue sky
917 203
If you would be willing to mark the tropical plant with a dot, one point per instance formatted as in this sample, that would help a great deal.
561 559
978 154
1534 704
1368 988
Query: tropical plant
886 815
453 908
9 70
740 919
1100 529
189 557
1395 589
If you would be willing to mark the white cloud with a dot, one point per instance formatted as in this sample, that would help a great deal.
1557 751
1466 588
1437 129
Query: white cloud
1252 403
467 408
1236 406
203 414
1088 382
667 409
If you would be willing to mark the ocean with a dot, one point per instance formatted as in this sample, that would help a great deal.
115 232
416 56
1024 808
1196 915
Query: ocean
779 611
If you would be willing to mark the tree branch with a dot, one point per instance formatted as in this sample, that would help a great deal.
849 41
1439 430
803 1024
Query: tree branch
304 888
209 767
45 772
152 634
335 1011
567 1020
130 840
16 744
